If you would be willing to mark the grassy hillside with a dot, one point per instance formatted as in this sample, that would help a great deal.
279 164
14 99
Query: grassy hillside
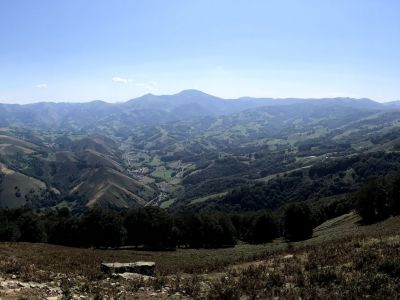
70 169
109 188
242 160
341 254
17 189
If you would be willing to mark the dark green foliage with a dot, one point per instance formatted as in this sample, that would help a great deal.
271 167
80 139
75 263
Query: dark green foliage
263 228
64 212
210 231
218 231
31 227
149 226
372 201
394 193
67 231
379 198
390 267
102 228
324 179
222 167
9 229
155 228
298 223
191 230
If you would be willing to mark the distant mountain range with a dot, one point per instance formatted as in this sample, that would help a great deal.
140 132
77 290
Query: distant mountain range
193 151
152 109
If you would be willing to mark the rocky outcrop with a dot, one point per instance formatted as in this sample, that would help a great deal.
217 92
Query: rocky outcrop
140 267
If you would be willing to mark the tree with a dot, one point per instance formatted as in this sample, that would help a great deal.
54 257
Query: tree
229 233
192 230
32 229
9 230
103 228
218 231
263 228
150 227
372 202
298 223
394 194
212 231
135 222
67 231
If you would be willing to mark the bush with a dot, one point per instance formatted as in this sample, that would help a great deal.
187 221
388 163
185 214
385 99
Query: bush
391 268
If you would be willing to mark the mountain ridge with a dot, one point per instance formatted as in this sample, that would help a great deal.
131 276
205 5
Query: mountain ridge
184 150
151 109
195 92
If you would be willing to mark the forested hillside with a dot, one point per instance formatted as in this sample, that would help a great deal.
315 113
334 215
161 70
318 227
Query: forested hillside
193 152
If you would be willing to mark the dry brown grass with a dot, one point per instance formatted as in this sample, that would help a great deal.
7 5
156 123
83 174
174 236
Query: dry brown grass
342 259
353 268
19 257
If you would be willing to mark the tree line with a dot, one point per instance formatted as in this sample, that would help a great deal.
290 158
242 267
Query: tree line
379 198
155 228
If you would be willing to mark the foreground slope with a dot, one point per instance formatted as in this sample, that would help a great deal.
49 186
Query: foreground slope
343 260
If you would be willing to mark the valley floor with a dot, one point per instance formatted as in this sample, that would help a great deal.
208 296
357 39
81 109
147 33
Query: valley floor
343 260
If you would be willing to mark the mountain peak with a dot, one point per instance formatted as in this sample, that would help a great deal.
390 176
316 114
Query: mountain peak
192 93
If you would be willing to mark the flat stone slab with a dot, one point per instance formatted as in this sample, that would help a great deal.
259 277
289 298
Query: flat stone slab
139 267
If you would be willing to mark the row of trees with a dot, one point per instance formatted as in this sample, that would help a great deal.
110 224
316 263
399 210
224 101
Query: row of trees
379 198
154 228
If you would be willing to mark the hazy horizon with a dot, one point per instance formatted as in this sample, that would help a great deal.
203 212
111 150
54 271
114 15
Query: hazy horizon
118 50
176 93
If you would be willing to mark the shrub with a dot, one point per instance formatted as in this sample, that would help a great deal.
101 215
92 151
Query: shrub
391 268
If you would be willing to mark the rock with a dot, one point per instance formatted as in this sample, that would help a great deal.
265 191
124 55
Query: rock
14 276
54 291
289 285
165 289
133 276
140 267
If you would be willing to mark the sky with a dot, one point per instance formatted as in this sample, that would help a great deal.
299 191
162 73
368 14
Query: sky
115 50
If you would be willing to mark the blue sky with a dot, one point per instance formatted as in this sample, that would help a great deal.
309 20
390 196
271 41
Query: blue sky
115 50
